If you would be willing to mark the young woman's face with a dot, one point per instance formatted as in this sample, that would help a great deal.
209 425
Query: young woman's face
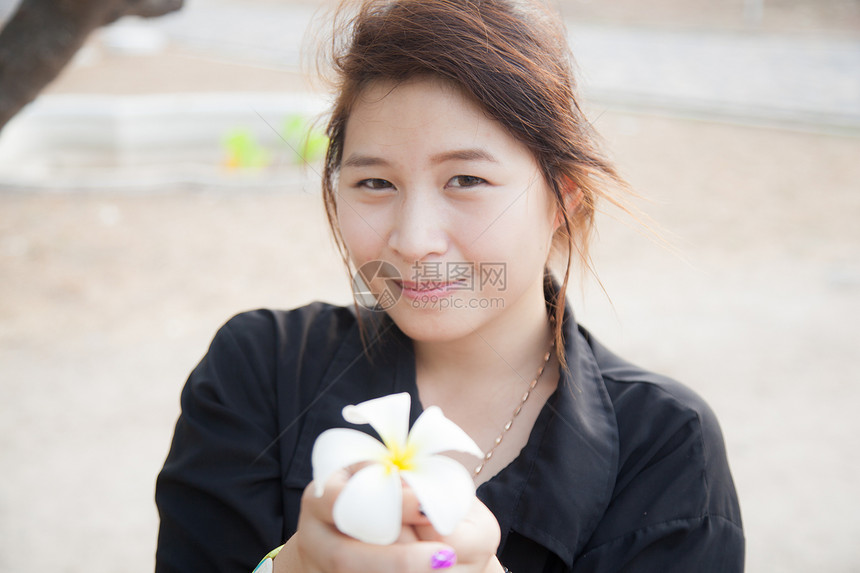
453 202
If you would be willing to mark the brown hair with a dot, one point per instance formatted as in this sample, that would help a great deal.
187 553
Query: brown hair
510 57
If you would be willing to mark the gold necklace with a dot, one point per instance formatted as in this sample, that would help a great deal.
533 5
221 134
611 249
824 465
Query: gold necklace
516 413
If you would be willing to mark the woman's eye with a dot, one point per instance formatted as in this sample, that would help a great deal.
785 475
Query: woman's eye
375 184
464 181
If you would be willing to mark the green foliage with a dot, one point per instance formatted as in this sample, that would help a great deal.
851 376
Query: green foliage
306 143
303 144
243 151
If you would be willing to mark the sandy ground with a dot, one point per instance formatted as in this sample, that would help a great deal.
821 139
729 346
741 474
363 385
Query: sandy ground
108 299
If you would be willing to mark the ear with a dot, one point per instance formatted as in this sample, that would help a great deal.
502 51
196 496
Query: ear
571 197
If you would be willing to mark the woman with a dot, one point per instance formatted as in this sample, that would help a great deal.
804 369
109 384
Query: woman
459 162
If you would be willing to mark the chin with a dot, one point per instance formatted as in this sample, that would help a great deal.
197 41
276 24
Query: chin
435 325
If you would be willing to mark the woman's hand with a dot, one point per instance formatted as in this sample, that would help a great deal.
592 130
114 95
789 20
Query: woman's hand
318 546
475 540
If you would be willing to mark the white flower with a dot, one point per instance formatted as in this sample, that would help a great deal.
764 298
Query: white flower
369 507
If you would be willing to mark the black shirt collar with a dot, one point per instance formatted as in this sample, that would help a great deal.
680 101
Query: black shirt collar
558 488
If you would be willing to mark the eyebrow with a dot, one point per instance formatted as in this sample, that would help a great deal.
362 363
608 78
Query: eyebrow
357 160
476 154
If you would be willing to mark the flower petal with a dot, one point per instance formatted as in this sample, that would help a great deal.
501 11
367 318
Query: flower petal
341 447
388 415
444 488
434 433
370 506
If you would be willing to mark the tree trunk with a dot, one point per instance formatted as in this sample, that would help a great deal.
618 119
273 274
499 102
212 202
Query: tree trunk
42 36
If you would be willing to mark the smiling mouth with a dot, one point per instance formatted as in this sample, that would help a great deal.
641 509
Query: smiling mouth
431 287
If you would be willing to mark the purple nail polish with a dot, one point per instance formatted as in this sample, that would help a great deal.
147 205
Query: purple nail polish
443 559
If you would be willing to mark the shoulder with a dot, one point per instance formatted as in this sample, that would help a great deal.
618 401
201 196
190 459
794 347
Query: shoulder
672 463
253 349
268 334
651 407
312 320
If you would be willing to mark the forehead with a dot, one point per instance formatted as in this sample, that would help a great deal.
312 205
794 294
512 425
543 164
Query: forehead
425 114
379 95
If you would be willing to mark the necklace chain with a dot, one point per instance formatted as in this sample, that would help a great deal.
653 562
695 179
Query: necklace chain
516 412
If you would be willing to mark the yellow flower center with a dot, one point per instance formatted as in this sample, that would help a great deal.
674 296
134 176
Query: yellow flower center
399 459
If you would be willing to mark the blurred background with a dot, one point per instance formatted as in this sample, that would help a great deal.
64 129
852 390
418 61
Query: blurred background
162 183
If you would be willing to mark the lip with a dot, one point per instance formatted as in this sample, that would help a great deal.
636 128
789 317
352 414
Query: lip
434 289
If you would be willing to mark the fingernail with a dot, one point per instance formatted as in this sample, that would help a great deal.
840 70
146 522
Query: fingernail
443 559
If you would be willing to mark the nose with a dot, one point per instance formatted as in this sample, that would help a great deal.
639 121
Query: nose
419 228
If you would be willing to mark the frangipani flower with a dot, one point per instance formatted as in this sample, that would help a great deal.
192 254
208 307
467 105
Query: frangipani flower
370 505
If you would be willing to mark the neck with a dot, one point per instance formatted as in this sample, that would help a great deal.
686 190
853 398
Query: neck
509 347
479 379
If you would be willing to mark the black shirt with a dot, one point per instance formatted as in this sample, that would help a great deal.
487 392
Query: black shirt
624 470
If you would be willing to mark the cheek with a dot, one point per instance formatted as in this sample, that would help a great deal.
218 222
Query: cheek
524 230
363 242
